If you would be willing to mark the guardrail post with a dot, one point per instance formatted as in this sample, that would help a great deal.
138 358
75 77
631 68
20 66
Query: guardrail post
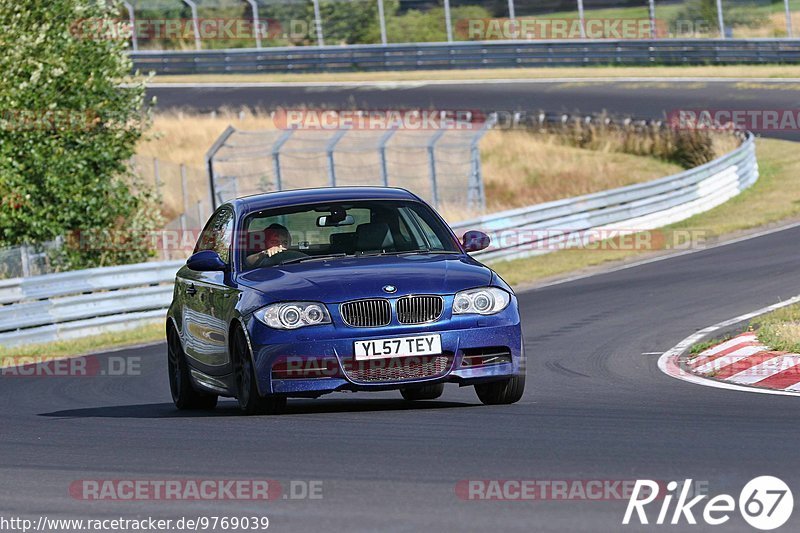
132 19
329 148
276 161
382 22
432 165
788 19
318 24
448 22
256 22
382 154
195 23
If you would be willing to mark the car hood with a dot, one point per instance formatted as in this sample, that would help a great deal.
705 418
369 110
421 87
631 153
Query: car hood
342 279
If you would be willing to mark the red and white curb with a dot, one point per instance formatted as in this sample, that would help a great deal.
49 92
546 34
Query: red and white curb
741 363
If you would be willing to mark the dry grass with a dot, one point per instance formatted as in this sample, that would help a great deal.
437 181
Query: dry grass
700 71
780 329
521 168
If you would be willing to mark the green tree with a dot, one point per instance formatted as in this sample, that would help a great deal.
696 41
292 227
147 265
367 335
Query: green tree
68 129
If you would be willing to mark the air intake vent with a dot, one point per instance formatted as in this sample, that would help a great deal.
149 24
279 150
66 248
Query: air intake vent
367 313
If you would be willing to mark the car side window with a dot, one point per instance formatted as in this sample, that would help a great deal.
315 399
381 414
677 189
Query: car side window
218 234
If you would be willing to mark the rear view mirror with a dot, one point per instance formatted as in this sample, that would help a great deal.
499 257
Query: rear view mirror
475 241
332 221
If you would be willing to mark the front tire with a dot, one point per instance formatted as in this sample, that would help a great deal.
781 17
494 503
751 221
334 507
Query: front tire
501 392
250 401
425 392
184 395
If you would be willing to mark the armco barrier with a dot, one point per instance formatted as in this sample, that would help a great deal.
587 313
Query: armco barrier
484 54
84 302
539 229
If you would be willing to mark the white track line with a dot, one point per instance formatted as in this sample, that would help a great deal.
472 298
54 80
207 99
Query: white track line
668 364
421 83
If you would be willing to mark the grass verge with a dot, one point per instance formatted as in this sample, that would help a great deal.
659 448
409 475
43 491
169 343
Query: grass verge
699 71
780 329
775 197
83 345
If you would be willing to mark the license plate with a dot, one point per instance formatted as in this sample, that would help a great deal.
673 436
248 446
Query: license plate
398 347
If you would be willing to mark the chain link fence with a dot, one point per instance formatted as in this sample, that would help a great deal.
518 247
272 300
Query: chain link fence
442 166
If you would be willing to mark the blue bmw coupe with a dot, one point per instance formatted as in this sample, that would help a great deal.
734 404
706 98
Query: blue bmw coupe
305 292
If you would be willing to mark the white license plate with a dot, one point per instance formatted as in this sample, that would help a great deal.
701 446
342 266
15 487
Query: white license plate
398 347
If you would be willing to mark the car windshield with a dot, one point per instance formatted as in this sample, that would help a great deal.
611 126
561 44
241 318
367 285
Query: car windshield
342 229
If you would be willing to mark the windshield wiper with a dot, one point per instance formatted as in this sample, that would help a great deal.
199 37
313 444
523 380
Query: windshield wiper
311 258
406 252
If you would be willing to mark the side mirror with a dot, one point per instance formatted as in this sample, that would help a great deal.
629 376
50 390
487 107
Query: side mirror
475 241
206 261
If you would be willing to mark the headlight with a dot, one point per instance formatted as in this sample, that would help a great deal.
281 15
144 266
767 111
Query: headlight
293 315
483 301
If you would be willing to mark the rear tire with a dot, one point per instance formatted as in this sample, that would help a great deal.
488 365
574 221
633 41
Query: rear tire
502 392
184 395
250 401
425 392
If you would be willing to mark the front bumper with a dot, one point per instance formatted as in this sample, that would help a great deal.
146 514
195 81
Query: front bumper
330 345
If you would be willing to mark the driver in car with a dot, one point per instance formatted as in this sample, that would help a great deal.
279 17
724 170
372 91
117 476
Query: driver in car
277 241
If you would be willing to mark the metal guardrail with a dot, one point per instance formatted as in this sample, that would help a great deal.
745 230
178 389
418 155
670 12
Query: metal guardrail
73 304
84 302
545 227
484 54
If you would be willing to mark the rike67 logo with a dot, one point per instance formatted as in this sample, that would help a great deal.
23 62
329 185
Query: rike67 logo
765 503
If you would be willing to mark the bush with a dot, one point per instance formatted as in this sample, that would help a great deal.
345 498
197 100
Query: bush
68 130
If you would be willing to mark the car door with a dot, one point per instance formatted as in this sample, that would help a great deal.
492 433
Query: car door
209 298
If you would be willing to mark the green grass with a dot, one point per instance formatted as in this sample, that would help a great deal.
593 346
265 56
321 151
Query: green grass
775 197
84 345
780 329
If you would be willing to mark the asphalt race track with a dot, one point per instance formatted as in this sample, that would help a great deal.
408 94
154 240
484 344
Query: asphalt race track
651 99
595 408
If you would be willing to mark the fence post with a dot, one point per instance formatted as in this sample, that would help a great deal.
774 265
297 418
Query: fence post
184 190
476 177
788 18
331 146
382 21
652 8
195 23
157 175
25 261
318 24
382 154
432 165
132 19
200 213
210 163
276 157
448 21
256 22
721 21
581 19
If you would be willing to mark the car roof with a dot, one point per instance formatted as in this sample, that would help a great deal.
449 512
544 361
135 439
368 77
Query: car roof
288 198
